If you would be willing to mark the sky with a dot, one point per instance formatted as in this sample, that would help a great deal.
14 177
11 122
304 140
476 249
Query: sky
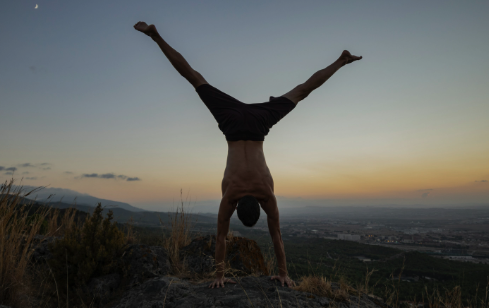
89 104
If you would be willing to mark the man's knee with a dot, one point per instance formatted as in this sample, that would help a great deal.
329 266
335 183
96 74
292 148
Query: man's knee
196 79
298 93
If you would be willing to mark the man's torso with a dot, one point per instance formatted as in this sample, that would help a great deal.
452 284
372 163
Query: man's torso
247 172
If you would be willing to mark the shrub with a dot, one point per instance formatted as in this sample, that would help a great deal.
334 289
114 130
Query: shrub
87 250
17 231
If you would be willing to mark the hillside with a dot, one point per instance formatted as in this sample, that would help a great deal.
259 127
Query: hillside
121 215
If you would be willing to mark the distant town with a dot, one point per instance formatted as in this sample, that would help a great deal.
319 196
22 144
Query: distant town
463 240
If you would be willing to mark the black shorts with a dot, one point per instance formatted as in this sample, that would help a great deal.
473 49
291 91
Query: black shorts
240 121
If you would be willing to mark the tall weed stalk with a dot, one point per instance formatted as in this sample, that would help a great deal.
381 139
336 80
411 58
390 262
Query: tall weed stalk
178 235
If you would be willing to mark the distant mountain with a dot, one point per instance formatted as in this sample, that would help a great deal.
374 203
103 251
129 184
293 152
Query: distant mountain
142 218
71 197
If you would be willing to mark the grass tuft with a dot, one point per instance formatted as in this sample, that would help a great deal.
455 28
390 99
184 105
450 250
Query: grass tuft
17 234
178 236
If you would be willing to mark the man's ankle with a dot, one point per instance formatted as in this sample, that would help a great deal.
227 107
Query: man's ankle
341 61
154 35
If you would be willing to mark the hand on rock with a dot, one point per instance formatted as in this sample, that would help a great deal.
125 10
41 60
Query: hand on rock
284 279
220 282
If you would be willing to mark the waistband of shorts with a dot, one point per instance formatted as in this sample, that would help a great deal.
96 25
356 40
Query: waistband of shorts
245 136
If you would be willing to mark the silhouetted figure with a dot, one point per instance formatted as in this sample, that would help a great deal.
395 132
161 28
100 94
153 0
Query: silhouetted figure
247 182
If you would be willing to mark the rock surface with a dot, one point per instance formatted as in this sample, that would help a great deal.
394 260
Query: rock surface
141 262
143 280
248 292
41 252
244 256
102 288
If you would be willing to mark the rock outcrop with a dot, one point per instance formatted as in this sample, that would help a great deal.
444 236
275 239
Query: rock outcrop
143 280
41 251
141 262
171 292
243 255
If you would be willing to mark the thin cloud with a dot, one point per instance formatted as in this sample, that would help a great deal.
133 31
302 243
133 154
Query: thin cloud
2 168
25 165
9 173
108 176
425 192
482 181
13 169
25 172
91 175
43 166
68 172
32 178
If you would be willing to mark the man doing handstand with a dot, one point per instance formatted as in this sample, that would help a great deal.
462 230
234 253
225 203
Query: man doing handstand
247 182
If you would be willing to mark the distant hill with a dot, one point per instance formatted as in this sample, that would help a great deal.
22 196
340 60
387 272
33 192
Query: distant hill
145 218
70 197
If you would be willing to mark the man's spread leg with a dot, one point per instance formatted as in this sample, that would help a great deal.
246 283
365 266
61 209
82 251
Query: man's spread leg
317 79
176 59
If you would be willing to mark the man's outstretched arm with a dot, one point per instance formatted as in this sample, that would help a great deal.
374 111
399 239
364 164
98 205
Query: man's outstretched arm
278 245
176 59
226 210
318 78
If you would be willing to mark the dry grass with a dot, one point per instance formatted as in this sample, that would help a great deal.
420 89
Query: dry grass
321 286
453 299
17 232
270 260
58 227
178 237
131 236
393 291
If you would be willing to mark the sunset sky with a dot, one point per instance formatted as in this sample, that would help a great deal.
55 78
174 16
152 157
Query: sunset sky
89 104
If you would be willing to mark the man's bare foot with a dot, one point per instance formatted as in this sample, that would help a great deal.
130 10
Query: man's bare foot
143 27
346 57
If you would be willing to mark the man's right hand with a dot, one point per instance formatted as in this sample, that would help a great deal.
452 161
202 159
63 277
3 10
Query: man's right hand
220 282
284 280
143 27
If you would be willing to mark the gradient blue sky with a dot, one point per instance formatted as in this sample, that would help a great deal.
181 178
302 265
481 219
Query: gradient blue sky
82 91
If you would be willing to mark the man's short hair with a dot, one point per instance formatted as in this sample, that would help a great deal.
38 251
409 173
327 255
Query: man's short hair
248 210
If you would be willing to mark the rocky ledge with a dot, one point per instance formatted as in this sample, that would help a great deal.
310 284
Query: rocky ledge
247 292
144 280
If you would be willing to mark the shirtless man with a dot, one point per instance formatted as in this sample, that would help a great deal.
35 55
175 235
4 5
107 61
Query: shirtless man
247 182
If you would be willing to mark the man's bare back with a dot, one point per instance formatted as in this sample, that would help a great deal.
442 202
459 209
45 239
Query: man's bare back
247 172
245 125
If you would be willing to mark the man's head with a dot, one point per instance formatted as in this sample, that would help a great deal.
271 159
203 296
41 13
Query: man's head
248 210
